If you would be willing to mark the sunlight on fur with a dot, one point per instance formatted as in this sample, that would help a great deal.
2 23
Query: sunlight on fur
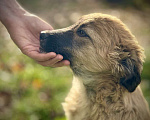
107 62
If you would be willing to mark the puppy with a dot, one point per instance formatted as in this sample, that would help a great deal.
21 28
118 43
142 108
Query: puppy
107 62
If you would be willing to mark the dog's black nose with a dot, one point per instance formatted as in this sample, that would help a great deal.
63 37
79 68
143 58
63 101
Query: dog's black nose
43 36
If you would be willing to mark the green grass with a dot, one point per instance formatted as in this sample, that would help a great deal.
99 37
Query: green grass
36 92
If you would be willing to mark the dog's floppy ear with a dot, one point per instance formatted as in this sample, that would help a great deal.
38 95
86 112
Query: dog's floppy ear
131 78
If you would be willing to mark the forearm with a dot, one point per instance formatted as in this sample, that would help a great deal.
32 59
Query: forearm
9 10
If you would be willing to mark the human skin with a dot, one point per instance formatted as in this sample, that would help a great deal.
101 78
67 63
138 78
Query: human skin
24 29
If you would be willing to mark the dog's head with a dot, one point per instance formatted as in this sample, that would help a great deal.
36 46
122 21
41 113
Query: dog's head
96 44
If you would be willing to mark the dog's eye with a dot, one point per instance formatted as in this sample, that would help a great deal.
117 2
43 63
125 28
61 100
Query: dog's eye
82 33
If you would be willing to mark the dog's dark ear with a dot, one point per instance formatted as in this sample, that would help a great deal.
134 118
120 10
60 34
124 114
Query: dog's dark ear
131 78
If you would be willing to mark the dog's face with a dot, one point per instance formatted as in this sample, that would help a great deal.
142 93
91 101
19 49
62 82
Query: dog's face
96 44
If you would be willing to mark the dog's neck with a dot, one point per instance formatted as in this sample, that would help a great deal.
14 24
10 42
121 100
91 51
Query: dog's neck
105 100
104 92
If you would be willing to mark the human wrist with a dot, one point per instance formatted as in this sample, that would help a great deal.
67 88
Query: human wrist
9 11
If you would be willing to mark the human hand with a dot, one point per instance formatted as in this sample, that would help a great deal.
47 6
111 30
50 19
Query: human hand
25 33
24 29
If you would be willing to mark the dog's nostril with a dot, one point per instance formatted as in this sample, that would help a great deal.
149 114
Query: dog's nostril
43 36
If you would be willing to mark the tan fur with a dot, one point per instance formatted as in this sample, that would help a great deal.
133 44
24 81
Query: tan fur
96 93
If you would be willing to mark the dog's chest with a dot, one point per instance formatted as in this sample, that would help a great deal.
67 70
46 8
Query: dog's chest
76 112
77 105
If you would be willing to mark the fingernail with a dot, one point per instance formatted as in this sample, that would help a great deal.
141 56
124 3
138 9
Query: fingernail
52 54
60 57
66 63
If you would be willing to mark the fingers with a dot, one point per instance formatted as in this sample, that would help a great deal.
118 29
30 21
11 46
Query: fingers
55 62
61 63
51 62
48 59
41 56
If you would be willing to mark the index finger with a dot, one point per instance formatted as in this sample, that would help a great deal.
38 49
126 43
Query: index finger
41 56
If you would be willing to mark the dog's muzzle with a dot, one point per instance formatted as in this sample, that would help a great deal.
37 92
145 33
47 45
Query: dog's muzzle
58 41
43 37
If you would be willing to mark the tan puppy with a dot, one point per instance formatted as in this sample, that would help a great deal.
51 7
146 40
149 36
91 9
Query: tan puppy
107 62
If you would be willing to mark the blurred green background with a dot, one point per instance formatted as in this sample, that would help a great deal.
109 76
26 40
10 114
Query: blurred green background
29 91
